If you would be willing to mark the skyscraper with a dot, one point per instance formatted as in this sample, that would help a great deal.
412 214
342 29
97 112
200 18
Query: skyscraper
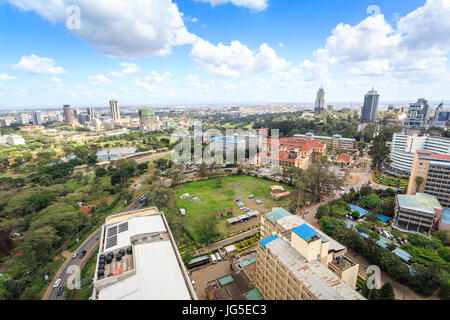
148 120
37 118
114 106
91 112
77 113
68 117
320 102
417 113
369 111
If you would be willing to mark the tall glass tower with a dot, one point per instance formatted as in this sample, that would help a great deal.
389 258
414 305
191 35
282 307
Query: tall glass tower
369 110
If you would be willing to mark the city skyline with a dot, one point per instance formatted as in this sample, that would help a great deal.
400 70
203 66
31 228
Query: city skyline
200 59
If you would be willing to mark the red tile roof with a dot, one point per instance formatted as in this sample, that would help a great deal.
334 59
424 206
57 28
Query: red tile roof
343 157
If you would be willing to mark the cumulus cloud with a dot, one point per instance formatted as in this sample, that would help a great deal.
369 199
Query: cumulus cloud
123 29
37 65
416 48
5 76
230 61
154 81
256 5
127 68
55 79
99 79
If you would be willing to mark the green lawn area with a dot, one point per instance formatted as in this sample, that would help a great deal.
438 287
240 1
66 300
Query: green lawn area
216 197
75 185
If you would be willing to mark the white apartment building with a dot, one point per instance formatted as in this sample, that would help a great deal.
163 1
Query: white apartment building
405 145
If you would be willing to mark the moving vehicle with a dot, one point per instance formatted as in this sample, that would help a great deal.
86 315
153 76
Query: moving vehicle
60 291
57 282
82 254
74 255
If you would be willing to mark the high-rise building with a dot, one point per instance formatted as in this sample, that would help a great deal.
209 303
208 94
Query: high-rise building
37 118
148 120
114 107
76 113
434 169
441 117
320 102
369 110
417 114
24 118
295 261
404 147
139 260
91 112
68 116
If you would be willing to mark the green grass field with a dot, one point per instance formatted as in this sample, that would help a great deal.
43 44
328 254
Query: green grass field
216 196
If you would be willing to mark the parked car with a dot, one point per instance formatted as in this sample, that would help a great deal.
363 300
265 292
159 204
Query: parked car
218 256
57 282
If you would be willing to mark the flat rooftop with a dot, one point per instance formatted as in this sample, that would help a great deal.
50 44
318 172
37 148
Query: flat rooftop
153 271
419 202
315 276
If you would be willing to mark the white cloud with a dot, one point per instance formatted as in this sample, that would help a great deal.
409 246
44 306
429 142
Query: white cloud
99 79
257 5
37 65
5 76
127 68
125 29
193 82
281 44
154 81
230 61
416 49
55 79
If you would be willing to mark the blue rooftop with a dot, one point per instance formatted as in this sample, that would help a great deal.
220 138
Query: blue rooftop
402 254
267 240
383 218
305 232
365 235
362 212
381 244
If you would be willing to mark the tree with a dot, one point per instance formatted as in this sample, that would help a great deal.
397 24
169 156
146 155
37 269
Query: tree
162 196
142 167
355 215
379 152
101 172
443 236
418 180
365 190
319 178
206 229
92 159
203 170
371 201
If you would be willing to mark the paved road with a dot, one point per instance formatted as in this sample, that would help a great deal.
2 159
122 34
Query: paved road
90 244
153 157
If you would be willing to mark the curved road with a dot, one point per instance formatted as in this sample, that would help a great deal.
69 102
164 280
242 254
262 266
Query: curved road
89 245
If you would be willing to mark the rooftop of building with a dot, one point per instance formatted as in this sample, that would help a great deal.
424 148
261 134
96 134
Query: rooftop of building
287 221
316 277
306 232
419 202
428 155
343 157
154 270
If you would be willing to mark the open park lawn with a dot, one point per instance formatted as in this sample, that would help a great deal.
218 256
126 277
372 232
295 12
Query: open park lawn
221 194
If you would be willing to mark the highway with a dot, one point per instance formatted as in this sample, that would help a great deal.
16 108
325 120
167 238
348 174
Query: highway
90 244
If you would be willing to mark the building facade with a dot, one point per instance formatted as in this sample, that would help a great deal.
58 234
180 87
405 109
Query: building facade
298 262
148 120
369 110
441 117
333 143
68 116
114 107
319 106
404 147
417 213
417 114
435 172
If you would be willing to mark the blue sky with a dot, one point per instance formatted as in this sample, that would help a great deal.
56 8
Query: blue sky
221 51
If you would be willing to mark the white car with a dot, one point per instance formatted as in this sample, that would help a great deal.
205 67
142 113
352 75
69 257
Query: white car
74 255
57 282
218 256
